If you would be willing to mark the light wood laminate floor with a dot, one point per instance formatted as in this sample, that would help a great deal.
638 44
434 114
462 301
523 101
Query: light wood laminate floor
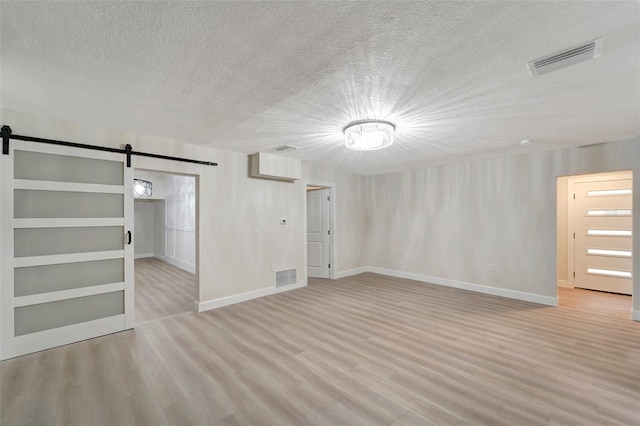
366 350
162 289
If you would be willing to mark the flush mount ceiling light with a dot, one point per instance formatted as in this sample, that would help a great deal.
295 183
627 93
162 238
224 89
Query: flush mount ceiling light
368 135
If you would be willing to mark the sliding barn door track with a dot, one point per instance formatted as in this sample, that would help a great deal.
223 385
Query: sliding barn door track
7 134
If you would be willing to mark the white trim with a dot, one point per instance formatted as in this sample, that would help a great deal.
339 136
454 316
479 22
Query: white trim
128 251
54 259
571 229
350 272
53 296
601 176
143 255
45 185
173 228
68 151
68 222
189 267
564 284
495 291
46 339
6 252
635 315
243 297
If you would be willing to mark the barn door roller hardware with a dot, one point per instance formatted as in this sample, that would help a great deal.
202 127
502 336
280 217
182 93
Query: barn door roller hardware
128 149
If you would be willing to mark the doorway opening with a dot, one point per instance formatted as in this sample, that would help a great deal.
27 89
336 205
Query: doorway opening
594 237
165 236
320 230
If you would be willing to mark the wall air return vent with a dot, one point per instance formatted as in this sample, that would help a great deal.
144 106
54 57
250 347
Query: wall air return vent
285 277
574 55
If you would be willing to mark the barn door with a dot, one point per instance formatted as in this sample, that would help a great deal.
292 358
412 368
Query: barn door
67 254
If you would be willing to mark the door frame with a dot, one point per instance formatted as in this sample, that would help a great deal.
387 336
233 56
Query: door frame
585 178
161 167
635 200
334 228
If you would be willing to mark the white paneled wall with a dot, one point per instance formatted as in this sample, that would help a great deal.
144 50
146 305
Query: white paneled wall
180 221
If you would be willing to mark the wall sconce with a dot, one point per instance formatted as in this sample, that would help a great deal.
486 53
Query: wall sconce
142 188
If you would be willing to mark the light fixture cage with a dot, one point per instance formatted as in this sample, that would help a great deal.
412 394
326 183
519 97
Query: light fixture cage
368 135
142 188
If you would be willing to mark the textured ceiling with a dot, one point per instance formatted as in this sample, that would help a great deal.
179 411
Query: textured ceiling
250 76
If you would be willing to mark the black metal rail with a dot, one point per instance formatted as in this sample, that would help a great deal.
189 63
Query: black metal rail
7 134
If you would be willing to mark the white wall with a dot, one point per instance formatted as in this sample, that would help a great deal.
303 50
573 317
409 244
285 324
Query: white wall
143 234
449 222
562 229
149 228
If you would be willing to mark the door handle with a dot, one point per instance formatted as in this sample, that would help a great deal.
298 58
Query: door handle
128 237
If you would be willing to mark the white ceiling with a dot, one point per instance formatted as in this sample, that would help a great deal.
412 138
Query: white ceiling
249 76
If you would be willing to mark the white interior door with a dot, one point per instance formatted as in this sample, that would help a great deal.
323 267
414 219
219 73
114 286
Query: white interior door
603 235
318 233
67 259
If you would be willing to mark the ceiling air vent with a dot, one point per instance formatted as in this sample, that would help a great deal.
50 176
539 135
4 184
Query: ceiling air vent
565 58
285 148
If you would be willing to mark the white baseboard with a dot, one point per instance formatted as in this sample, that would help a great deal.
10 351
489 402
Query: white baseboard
160 256
564 283
142 255
180 264
243 297
350 272
635 315
495 291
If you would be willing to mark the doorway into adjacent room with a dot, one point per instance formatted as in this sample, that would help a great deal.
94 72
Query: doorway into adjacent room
595 241
164 244
319 232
